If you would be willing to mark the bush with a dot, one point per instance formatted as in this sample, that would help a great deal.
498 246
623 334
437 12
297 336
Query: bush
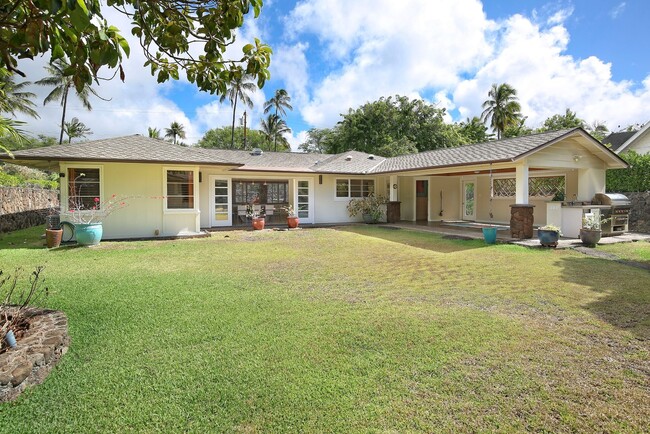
12 175
635 178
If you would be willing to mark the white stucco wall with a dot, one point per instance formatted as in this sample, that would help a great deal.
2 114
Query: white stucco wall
640 145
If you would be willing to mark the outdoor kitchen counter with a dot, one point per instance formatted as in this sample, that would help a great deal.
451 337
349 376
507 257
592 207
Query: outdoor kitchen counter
568 215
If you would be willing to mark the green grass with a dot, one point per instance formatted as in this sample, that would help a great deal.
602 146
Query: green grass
637 252
358 330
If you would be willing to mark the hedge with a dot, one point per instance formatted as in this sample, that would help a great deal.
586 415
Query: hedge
635 178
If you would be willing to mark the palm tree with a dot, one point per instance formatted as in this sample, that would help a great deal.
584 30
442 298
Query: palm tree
175 130
14 98
278 102
62 84
154 133
238 89
76 128
273 128
501 109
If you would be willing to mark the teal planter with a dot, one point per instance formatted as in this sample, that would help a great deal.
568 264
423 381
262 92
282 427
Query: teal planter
490 235
88 234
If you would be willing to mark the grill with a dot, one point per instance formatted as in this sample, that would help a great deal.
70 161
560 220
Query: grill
618 214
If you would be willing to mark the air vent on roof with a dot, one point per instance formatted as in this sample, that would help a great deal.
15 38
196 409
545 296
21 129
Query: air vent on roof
256 151
348 158
371 157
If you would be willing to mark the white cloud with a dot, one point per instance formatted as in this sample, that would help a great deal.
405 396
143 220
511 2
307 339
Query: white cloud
400 47
531 58
617 10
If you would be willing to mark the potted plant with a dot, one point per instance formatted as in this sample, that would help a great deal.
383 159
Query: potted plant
370 207
87 217
591 232
53 231
292 218
256 216
549 235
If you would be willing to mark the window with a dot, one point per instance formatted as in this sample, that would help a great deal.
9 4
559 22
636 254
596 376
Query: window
180 189
83 188
354 187
265 192
542 187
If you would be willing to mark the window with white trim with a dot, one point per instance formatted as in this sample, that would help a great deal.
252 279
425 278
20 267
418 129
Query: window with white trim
83 188
354 187
180 189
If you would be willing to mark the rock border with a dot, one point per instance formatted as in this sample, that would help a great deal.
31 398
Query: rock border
36 354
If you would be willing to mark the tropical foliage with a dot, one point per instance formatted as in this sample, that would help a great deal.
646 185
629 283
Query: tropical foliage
238 88
635 178
174 131
502 109
165 29
75 128
474 131
153 133
316 141
279 102
389 126
219 138
12 175
562 121
274 128
62 84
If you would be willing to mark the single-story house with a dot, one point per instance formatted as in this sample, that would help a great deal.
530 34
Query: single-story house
182 190
637 141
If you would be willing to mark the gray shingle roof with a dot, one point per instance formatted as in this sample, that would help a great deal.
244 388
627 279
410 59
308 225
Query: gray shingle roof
617 139
478 153
143 149
134 148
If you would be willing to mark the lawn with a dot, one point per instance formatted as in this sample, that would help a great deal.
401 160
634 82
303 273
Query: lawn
361 329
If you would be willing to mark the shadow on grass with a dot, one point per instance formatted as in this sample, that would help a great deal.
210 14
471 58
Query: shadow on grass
424 240
625 298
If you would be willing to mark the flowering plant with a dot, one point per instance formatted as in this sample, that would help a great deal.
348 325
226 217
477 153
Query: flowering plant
593 221
289 210
86 209
253 213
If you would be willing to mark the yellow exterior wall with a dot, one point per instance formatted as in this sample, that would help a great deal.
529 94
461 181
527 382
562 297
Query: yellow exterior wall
450 187
144 214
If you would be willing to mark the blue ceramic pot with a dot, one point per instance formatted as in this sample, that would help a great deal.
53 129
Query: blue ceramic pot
490 235
88 234
548 237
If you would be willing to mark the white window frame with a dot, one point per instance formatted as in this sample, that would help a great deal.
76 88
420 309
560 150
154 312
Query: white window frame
65 187
195 178
348 178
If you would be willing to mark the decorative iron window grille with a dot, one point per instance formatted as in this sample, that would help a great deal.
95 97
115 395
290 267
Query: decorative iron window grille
547 186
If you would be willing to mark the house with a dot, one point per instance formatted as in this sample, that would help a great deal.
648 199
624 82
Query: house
637 141
182 190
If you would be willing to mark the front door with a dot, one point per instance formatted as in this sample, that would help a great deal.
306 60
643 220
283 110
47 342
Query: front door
221 205
421 200
469 202
304 200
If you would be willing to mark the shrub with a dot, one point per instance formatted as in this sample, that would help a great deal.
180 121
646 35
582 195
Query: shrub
635 178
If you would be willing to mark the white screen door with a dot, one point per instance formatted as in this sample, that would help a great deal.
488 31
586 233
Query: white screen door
221 205
304 200
469 202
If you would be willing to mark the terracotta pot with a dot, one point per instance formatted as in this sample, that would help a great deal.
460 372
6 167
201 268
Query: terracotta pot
53 237
292 222
258 223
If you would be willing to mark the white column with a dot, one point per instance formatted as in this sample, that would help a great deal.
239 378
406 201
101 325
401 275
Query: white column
521 193
393 189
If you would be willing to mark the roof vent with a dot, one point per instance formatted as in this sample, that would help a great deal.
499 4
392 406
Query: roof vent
257 151
371 157
348 158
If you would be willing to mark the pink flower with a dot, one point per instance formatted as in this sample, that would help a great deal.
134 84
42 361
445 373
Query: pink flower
96 200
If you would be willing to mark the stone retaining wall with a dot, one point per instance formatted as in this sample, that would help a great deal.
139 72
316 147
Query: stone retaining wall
37 352
640 212
22 207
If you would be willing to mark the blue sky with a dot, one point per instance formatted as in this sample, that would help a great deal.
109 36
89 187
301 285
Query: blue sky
330 55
